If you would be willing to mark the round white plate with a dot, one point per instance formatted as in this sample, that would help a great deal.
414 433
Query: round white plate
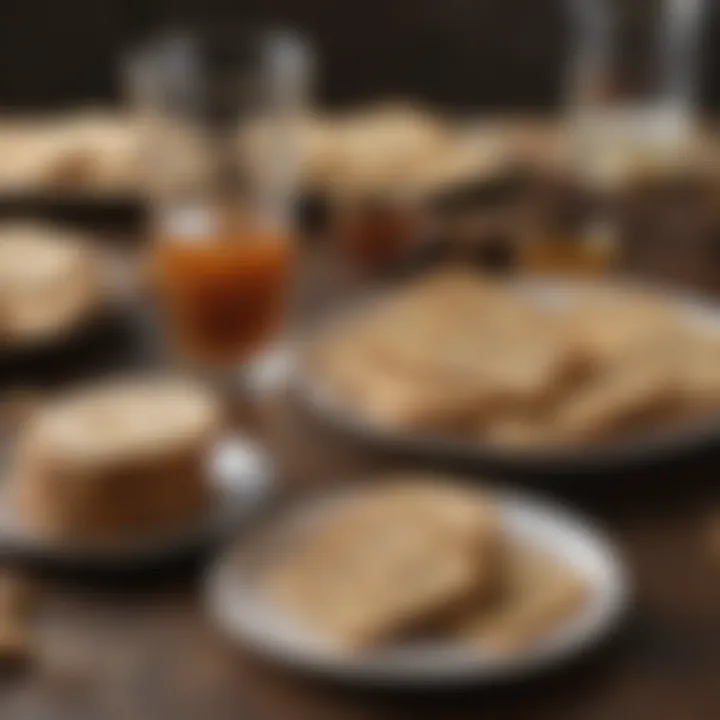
238 605
309 387
241 480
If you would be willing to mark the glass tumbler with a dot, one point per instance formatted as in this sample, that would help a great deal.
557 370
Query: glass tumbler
632 84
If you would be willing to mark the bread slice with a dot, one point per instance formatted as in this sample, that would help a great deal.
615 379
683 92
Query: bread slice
698 364
448 352
538 594
634 395
612 323
50 279
388 560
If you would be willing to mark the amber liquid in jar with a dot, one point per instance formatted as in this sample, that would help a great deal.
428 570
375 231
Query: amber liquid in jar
223 295
580 256
376 234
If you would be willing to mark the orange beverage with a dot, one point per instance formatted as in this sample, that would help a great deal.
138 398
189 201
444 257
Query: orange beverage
566 257
223 296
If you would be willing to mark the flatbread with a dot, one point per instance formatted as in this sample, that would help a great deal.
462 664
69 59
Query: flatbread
448 352
634 395
461 355
539 593
612 323
50 278
388 561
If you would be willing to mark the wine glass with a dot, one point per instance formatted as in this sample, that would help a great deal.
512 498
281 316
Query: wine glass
221 111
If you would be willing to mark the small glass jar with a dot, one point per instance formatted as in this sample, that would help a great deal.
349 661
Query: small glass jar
568 230
377 232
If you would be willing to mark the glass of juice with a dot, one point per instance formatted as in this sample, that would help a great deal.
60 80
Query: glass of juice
220 111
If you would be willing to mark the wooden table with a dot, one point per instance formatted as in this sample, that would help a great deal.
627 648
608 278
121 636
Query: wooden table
144 649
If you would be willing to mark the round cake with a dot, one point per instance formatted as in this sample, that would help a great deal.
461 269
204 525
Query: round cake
114 460
50 279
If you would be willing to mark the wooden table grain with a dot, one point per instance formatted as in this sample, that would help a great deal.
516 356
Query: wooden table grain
144 649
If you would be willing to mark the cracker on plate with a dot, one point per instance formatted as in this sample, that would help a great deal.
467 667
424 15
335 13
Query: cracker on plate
388 560
698 358
612 323
635 394
519 432
539 593
450 350
50 279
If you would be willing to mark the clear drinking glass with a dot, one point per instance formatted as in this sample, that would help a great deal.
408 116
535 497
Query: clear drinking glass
631 111
632 82
221 112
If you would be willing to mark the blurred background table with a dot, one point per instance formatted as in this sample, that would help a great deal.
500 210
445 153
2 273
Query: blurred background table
145 649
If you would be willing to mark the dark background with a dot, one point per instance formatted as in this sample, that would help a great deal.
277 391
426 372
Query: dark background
468 53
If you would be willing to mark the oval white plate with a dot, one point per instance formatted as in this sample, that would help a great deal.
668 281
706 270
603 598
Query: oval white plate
237 604
313 393
241 481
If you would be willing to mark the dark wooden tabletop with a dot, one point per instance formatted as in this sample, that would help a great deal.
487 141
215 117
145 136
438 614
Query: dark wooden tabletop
143 648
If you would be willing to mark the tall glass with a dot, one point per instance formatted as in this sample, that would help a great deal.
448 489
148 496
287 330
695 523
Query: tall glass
630 111
221 111
633 82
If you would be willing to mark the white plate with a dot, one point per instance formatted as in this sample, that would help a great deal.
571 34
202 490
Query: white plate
314 394
241 480
240 608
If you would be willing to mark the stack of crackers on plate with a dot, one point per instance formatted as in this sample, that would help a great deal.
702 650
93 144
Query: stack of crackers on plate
460 355
391 151
382 150
415 559
91 152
